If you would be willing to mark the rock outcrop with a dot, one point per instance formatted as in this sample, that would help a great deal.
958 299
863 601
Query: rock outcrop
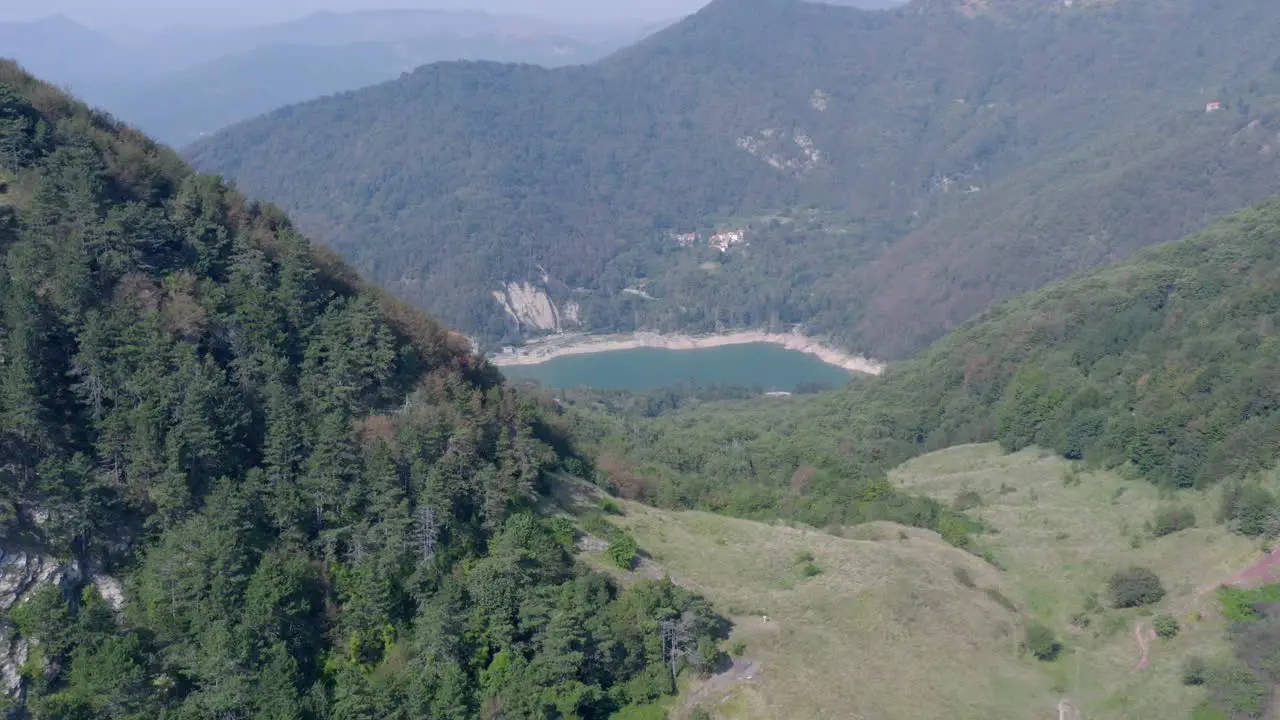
22 573
531 309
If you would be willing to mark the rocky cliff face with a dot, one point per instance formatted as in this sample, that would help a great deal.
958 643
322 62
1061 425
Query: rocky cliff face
25 571
531 310
22 573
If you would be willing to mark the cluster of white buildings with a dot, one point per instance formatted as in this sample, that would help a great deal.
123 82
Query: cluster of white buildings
721 241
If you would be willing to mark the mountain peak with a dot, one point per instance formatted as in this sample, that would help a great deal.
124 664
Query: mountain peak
720 6
976 8
49 23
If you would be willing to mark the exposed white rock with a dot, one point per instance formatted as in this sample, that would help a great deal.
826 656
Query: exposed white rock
820 100
799 156
532 309
111 590
22 573
811 153
13 655
591 543
750 144
571 313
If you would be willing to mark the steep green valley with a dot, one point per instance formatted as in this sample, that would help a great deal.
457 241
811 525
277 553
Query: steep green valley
239 479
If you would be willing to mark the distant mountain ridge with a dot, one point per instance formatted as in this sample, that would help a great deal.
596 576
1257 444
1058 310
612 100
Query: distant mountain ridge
190 46
183 82
889 173
43 45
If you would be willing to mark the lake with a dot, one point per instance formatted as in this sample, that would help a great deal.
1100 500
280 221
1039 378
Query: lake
769 367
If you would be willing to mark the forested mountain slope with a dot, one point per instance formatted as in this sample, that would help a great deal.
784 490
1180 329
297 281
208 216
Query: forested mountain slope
1166 364
893 171
236 481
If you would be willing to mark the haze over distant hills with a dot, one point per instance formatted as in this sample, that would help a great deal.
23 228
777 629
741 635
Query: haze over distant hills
134 15
875 176
185 81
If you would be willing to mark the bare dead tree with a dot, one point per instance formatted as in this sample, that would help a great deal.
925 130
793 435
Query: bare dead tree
667 637
678 641
357 550
426 531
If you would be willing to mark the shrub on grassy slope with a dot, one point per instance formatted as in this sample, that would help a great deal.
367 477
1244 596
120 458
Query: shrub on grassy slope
1166 626
1134 587
1169 520
1041 642
622 552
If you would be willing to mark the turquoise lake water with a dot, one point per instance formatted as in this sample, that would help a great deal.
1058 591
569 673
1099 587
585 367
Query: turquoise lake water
769 367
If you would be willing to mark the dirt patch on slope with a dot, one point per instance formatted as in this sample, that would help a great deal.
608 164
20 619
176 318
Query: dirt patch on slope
1264 571
717 686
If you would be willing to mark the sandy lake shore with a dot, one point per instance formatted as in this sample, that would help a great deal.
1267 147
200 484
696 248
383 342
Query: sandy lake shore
541 351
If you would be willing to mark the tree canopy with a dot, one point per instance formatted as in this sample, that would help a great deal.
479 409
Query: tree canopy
320 504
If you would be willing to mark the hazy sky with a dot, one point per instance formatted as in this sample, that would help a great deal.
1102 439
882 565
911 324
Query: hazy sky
117 13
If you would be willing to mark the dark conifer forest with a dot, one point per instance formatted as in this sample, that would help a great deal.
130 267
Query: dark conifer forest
319 504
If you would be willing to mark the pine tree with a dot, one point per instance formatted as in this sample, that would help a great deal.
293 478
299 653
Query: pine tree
283 454
276 692
333 465
22 410
18 130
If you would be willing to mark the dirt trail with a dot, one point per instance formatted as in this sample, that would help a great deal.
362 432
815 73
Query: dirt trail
1066 711
1265 570
1262 571
716 686
1145 636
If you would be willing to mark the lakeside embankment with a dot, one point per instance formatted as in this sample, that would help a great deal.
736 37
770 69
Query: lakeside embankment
542 350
